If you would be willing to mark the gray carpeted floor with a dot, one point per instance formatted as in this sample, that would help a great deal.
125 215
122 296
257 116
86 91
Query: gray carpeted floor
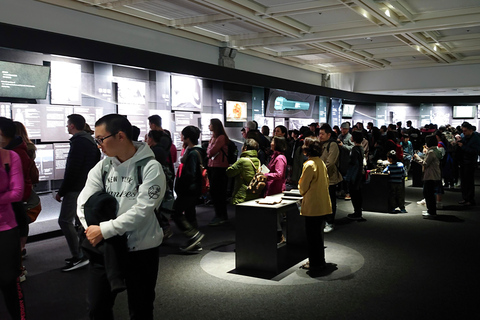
412 269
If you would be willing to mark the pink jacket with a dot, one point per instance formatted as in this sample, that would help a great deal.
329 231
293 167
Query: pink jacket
276 177
11 190
216 158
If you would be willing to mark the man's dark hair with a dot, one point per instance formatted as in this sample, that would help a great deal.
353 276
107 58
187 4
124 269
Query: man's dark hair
392 154
266 131
326 127
399 123
115 123
156 120
250 144
77 120
192 133
409 123
155 135
7 127
467 125
357 136
135 133
431 141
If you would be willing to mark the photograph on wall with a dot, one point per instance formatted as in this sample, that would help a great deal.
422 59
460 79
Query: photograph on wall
186 93
264 121
6 110
183 119
60 151
236 111
297 123
289 104
66 83
44 162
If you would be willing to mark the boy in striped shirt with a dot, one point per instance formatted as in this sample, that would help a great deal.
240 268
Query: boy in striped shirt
396 177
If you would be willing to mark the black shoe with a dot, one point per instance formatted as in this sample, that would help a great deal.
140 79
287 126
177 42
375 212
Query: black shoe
353 216
75 263
462 202
192 242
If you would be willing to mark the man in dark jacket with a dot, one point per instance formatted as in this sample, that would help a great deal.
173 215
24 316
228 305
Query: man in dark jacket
470 148
188 188
82 157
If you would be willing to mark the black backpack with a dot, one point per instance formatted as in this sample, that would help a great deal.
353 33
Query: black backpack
343 158
232 152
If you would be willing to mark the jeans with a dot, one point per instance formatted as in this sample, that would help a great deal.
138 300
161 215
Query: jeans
140 278
67 220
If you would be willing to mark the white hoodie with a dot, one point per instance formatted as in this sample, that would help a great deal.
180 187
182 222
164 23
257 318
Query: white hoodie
135 216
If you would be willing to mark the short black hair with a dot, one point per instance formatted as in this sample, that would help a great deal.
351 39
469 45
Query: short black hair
156 120
192 133
357 136
135 133
467 126
326 127
250 144
7 127
77 120
155 135
115 123
431 141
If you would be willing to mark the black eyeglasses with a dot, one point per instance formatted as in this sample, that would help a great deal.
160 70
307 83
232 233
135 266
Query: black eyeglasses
99 141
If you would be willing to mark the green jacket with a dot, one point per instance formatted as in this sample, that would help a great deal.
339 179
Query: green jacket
243 172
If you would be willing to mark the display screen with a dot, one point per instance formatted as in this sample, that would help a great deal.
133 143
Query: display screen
236 111
348 110
288 104
186 93
44 162
464 112
61 151
23 80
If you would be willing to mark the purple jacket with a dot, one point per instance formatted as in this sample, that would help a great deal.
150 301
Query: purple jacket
277 176
11 190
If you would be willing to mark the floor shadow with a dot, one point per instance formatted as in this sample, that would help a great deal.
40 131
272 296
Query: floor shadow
448 218
458 208
329 269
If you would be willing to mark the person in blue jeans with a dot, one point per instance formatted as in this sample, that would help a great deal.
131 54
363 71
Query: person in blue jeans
396 177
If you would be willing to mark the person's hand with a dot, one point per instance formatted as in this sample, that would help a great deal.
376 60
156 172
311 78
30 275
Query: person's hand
340 143
460 144
58 198
94 235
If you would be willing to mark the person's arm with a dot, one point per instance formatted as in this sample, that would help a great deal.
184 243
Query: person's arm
236 168
279 166
306 178
215 146
14 192
332 157
473 146
93 184
75 160
150 195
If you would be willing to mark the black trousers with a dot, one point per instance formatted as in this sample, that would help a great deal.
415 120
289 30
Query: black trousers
9 272
316 252
467 176
332 192
141 269
357 201
429 195
218 190
187 223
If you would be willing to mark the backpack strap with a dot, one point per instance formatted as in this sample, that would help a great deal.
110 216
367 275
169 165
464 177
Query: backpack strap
5 156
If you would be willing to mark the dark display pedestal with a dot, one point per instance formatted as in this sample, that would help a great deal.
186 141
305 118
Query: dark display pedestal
417 174
375 193
256 248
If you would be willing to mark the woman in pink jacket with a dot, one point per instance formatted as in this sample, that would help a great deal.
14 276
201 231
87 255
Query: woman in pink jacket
278 165
217 152
11 190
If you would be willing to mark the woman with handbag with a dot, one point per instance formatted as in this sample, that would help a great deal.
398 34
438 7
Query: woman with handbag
11 190
217 152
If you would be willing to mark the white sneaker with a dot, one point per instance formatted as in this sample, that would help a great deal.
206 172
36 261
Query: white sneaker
427 215
328 227
422 202
439 205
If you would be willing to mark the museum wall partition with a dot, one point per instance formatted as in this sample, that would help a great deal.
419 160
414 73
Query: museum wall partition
47 76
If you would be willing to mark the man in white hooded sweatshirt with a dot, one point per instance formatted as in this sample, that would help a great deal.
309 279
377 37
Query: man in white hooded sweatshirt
137 197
